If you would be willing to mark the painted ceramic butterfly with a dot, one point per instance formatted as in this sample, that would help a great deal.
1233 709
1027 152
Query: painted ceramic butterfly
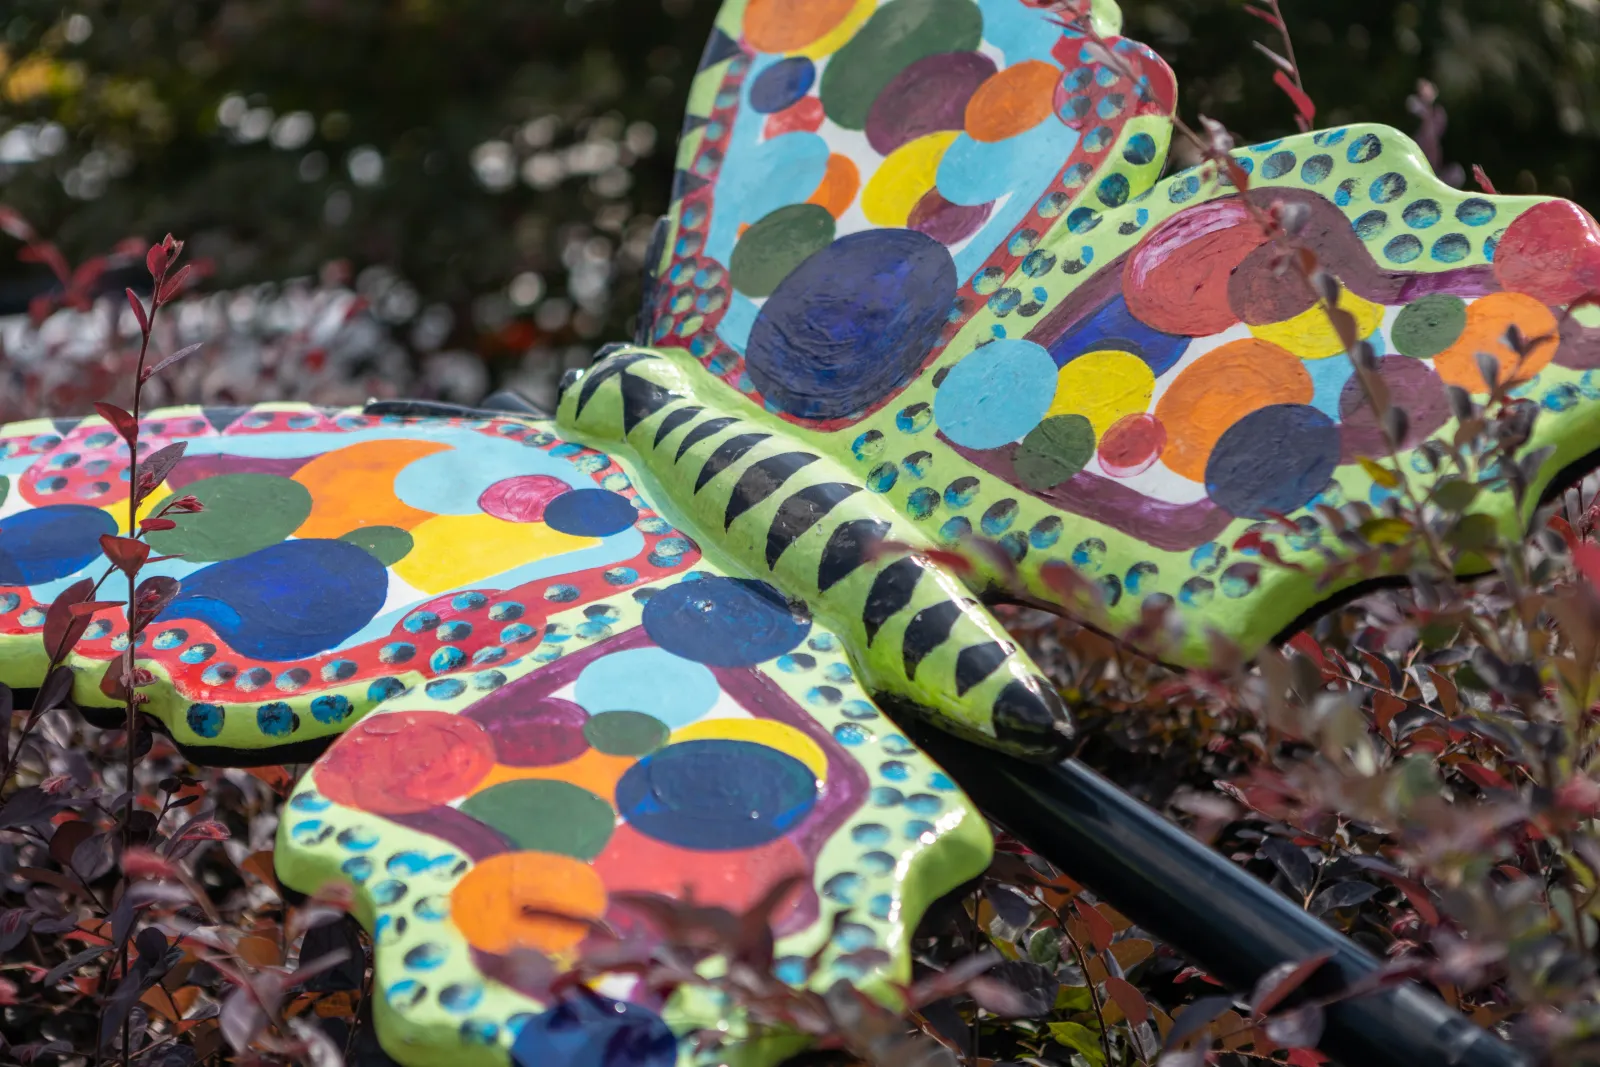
922 281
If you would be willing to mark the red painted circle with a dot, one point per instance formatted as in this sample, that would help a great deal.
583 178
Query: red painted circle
405 762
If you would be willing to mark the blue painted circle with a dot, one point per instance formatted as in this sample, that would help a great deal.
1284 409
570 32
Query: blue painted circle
852 323
588 1030
782 84
724 622
996 395
1273 460
51 542
286 601
590 513
716 794
651 681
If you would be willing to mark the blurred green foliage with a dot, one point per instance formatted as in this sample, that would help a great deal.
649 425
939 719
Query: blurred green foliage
506 159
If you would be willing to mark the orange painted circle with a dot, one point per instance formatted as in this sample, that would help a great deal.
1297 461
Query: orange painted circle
840 182
405 762
488 904
789 25
1012 100
1218 390
1487 320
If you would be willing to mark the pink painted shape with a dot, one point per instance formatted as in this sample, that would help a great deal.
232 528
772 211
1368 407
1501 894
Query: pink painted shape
521 499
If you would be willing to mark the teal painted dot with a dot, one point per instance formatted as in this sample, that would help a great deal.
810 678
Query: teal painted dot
310 800
170 639
338 670
849 733
876 862
331 708
884 796
1110 589
205 719
1240 580
1345 193
1045 533
1364 149
1112 192
896 745
922 502
1371 225
924 804
1421 214
1316 169
446 658
914 418
1197 592
868 446
419 621
1475 212
382 689
956 529
276 719
358 868
1278 164
1139 576
1140 149
881 478
356 838
310 832
1451 248
1208 557
858 709
1184 189
843 887
1403 249
869 833
1090 555
445 688
396 652
1387 187
999 516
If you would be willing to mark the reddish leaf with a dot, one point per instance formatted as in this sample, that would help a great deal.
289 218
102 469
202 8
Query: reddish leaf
138 313
89 607
170 360
1128 998
1100 929
204 830
1483 180
1265 16
174 285
1482 776
15 225
1283 980
55 690
155 261
1385 706
1302 102
154 468
62 628
125 425
127 554
154 594
157 524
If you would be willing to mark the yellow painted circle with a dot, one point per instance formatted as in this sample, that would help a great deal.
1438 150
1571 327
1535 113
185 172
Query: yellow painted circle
1103 387
904 178
784 738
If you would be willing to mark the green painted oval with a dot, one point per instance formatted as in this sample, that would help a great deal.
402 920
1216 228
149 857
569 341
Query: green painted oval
776 245
898 34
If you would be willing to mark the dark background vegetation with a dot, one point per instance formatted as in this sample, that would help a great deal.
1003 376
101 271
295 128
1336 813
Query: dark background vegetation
502 161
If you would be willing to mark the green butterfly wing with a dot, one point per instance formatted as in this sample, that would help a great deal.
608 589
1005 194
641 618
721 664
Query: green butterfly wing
991 310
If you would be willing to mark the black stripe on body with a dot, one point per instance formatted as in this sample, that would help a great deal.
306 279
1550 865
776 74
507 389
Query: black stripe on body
642 398
927 630
601 372
761 479
701 432
802 511
849 546
977 662
726 455
673 421
891 591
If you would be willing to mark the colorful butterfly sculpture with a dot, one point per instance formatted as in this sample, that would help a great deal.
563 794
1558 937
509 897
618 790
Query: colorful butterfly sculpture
921 281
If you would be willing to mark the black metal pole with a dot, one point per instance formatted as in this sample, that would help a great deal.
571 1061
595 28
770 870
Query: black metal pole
1232 925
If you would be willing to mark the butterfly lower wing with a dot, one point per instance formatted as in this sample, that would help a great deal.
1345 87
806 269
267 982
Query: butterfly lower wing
327 572
698 738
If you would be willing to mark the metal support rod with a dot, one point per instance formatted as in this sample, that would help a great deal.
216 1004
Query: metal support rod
1232 925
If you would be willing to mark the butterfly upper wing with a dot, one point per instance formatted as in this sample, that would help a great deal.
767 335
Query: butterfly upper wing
1066 356
853 178
327 571
1174 392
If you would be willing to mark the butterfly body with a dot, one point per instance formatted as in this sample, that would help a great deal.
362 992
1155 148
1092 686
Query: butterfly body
783 509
